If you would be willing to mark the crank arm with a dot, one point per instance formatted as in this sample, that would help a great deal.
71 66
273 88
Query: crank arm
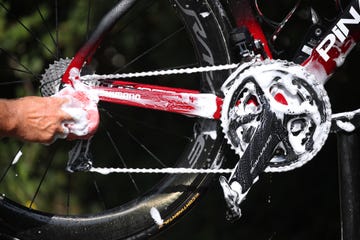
182 101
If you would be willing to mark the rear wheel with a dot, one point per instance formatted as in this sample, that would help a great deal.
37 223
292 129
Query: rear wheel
42 201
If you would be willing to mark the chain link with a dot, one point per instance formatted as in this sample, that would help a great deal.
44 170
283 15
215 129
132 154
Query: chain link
106 171
96 77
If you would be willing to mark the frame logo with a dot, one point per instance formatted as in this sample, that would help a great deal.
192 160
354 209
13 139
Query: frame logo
339 32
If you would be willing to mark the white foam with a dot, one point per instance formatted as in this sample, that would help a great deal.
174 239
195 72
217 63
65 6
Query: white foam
81 106
17 157
155 214
212 134
346 126
103 171
204 14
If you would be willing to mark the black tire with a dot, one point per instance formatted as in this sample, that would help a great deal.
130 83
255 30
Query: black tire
174 194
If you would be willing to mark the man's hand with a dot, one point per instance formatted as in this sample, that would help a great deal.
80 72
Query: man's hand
35 119
71 113
82 107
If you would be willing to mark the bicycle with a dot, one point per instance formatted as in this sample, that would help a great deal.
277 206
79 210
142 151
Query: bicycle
227 40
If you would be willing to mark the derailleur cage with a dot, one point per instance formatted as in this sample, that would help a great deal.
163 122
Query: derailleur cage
80 157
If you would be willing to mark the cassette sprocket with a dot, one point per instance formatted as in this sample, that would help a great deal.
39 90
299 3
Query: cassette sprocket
51 79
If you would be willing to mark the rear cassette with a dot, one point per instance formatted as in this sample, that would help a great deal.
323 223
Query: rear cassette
51 79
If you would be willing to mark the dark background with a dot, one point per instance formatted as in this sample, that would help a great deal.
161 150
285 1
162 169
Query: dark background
301 204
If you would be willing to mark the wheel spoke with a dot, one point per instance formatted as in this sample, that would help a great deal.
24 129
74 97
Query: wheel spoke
88 19
50 161
135 139
11 163
36 38
68 195
25 68
151 49
121 158
146 125
47 26
14 82
57 29
99 195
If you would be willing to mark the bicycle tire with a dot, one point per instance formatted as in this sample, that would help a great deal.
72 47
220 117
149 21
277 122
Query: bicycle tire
175 194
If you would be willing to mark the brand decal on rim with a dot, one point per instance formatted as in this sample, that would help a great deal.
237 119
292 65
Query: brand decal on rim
182 210
201 38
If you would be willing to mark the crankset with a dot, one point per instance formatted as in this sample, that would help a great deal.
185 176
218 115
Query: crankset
276 117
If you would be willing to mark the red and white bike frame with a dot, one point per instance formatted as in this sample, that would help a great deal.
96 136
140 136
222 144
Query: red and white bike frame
323 60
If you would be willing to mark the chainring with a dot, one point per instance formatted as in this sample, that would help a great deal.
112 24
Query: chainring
294 95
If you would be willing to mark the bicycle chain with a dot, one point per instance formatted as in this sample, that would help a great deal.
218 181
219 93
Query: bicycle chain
51 81
96 77
106 171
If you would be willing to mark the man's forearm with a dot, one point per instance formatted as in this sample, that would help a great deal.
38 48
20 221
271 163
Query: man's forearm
7 117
